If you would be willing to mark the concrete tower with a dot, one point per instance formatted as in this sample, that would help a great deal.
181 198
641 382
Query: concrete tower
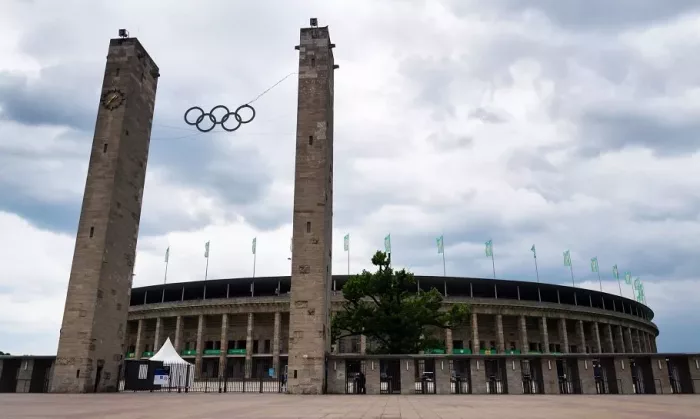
309 323
90 347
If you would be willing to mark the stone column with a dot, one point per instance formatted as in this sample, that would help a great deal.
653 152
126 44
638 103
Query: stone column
659 370
514 376
276 343
249 347
522 327
363 344
448 341
157 336
178 334
200 346
581 337
609 340
475 333
629 343
138 349
408 375
653 344
224 345
563 336
635 340
478 376
596 338
500 339
647 345
544 335
620 339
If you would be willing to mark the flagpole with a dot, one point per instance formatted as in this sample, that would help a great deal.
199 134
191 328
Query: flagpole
444 266
537 271
165 280
493 263
348 260
255 257
571 268
619 284
599 280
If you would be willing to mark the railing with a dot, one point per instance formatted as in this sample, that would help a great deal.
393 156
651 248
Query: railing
425 386
531 386
386 385
460 385
494 386
356 384
569 386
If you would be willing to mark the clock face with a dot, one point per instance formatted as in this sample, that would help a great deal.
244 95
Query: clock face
112 99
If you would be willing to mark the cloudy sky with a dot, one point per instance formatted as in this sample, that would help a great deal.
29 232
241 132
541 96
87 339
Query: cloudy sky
570 125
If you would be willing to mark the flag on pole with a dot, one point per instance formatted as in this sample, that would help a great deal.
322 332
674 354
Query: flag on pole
616 274
387 243
489 248
567 258
255 244
167 254
206 250
637 283
594 264
440 245
346 242
628 277
534 251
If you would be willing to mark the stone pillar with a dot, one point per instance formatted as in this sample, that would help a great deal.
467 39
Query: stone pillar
138 349
372 382
563 336
609 340
647 343
224 345
249 347
443 377
659 370
363 344
336 377
550 379
635 340
522 328
514 376
586 375
620 339
500 339
624 376
544 335
653 344
475 333
478 376
178 334
276 343
629 344
596 338
448 341
408 375
201 325
581 337
157 337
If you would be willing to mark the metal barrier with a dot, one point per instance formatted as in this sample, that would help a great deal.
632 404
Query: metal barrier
356 384
531 386
494 386
425 386
460 385
569 386
385 384
675 386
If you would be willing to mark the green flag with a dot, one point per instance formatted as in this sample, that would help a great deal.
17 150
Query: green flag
387 243
346 242
567 258
489 248
255 244
616 274
206 249
628 277
534 251
594 264
637 283
440 244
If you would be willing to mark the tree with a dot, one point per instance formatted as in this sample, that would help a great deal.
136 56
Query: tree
385 308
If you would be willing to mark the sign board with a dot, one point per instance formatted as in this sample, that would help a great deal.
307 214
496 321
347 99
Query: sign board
161 377
271 372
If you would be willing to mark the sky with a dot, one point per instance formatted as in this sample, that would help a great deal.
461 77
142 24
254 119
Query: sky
568 125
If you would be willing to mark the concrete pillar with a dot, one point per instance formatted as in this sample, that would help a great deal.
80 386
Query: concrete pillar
620 339
629 344
200 346
363 344
478 376
647 343
408 375
500 340
609 339
581 337
550 379
224 345
178 334
514 376
659 370
276 343
653 344
624 376
522 328
443 377
596 338
372 378
336 377
157 337
563 336
475 333
544 335
448 341
249 347
138 350
586 375
635 340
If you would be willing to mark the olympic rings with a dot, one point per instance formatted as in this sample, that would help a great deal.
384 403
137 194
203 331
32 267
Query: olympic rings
216 121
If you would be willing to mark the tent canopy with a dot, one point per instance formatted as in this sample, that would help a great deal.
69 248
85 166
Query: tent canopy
168 355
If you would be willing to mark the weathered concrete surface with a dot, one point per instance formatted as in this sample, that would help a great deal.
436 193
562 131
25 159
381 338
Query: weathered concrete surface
216 406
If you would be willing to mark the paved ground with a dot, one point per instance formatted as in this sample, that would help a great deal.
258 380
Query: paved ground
274 406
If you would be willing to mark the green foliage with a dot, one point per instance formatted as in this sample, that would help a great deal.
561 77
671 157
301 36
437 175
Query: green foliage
385 307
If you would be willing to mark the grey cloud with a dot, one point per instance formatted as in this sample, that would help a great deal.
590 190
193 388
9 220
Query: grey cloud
448 141
487 116
526 159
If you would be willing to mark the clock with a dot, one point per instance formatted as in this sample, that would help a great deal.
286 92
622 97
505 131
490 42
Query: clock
112 99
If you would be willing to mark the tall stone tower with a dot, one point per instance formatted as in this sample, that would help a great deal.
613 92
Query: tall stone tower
309 323
90 347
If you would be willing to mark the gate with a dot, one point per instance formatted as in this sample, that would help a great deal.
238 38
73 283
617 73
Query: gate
460 376
532 376
494 370
568 376
425 376
389 376
355 378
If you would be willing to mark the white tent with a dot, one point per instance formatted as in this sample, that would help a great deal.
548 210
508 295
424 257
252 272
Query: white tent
181 371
